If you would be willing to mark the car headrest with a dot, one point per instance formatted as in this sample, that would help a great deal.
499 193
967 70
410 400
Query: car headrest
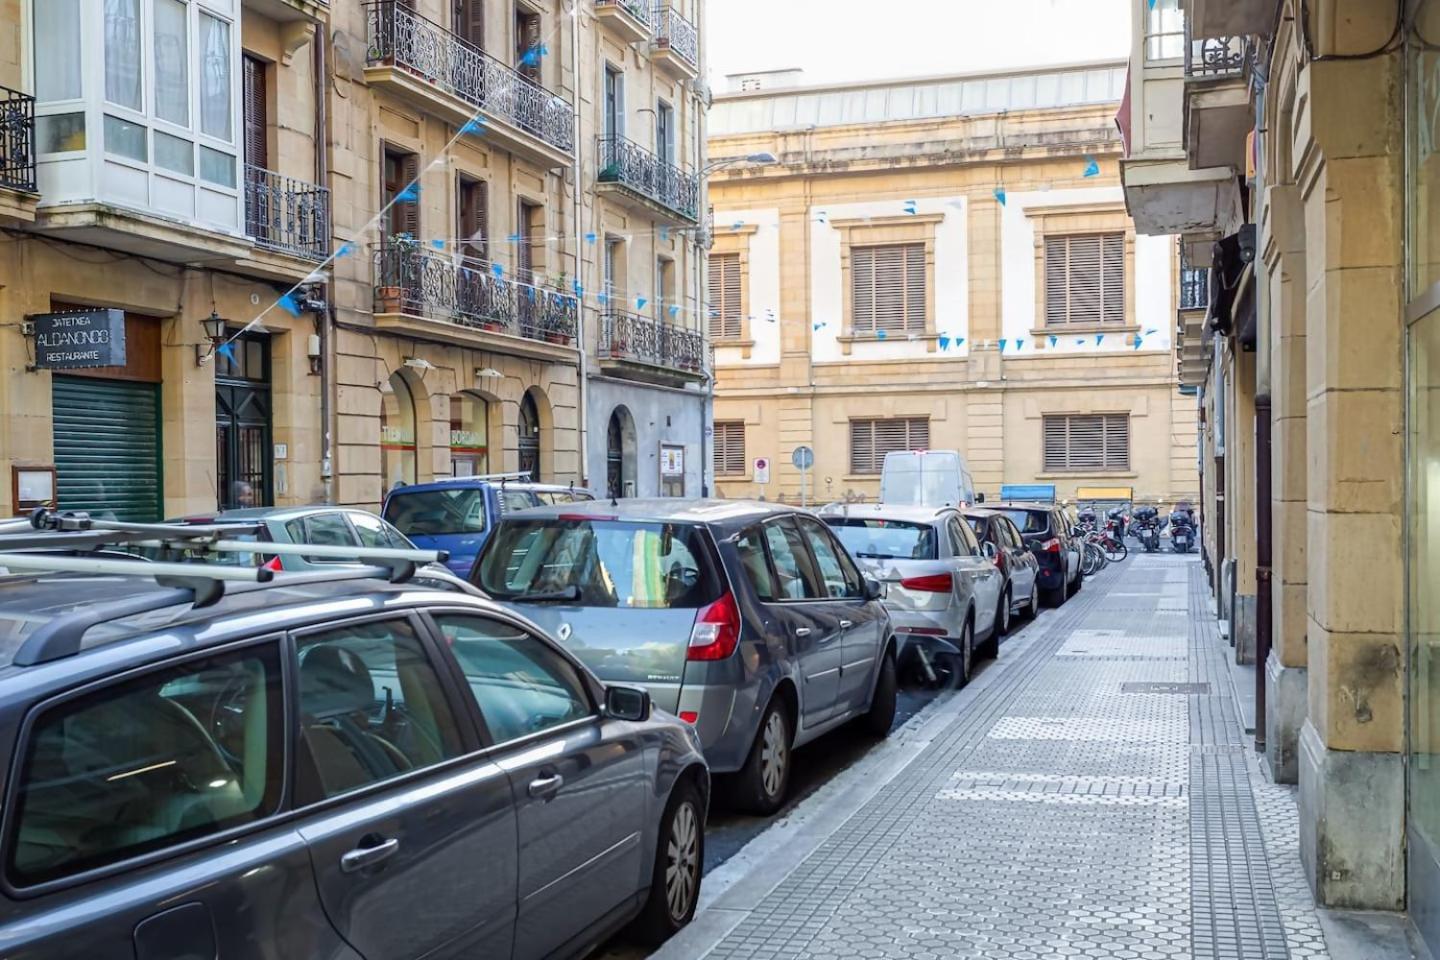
333 682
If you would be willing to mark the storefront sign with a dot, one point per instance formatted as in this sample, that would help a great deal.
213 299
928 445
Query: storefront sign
672 461
89 338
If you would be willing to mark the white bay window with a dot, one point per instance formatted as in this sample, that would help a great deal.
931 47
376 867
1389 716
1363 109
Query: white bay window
136 106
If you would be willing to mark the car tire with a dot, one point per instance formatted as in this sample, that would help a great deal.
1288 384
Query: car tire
679 863
1032 610
763 783
877 721
991 648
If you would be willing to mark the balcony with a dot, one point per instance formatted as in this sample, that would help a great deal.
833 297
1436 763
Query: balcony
647 183
1194 288
287 216
630 19
17 155
1217 107
676 43
643 349
292 11
428 294
1192 356
1231 18
421 61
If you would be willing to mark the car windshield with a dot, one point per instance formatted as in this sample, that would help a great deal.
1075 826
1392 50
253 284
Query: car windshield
430 513
1028 521
885 539
599 563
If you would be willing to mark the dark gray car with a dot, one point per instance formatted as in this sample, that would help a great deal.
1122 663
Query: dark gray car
326 766
749 620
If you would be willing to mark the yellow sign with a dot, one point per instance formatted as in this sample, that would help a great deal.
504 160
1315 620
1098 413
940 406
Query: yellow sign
1105 493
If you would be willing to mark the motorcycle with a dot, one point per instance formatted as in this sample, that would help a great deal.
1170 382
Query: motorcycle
1146 528
1182 534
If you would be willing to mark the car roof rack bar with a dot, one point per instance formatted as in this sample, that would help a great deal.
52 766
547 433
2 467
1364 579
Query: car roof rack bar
59 563
62 636
328 551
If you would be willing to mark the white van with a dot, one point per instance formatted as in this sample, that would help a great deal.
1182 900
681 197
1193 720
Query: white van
926 478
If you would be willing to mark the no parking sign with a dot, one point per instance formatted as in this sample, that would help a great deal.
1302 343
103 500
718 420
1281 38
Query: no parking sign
762 469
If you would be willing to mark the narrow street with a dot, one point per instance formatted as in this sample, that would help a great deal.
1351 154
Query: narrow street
1091 794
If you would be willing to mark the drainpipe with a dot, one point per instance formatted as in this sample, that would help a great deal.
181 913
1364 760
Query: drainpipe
1263 626
707 403
327 316
579 172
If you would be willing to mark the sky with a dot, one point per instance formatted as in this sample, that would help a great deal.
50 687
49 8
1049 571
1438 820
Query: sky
839 40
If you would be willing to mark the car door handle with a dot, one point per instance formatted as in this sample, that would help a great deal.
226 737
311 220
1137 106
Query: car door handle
802 631
546 787
362 857
846 624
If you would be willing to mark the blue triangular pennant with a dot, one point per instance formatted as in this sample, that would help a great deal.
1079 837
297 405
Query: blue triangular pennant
1000 195
1092 167
438 244
640 303
880 334
590 238
1002 343
497 269
674 309
1019 343
290 304
475 126
410 194
943 342
1099 337
226 350
1054 339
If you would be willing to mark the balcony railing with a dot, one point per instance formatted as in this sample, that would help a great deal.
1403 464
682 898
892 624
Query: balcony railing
431 284
674 32
1208 58
1194 288
624 336
398 35
639 9
17 140
286 214
631 165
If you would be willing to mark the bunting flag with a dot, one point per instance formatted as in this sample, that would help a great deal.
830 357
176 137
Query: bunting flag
438 244
602 298
1002 343
497 269
640 303
674 310
910 206
1138 341
943 342
1000 195
738 224
1092 167
344 251
958 341
1019 343
290 304
513 238
1099 337
1054 339
579 290
226 350
590 238
410 194
880 334
475 126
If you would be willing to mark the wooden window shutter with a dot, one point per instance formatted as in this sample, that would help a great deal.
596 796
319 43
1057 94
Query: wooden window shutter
256 114
409 219
1085 280
1113 279
472 219
725 297
887 288
1091 441
870 440
470 22
730 449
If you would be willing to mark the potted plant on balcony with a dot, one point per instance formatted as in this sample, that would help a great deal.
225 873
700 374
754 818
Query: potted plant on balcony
396 262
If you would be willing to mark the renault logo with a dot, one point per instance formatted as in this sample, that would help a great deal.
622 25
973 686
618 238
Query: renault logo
564 632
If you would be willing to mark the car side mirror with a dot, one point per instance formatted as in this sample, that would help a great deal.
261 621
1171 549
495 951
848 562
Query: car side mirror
873 589
979 498
627 703
989 550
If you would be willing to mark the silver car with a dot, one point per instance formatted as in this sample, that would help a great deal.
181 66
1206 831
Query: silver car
942 587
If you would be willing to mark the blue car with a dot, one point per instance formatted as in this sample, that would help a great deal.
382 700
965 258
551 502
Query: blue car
457 514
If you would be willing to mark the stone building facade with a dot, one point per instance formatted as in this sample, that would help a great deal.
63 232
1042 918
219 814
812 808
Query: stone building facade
940 263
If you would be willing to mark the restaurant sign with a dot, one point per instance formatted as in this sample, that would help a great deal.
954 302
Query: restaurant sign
86 338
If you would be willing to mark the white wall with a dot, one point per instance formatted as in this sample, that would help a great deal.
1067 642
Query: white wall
951 276
1154 264
763 282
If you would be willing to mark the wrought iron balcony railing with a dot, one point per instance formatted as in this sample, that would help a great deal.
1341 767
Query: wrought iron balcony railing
677 34
624 336
639 9
631 165
17 140
1194 288
396 34
430 284
1209 58
286 214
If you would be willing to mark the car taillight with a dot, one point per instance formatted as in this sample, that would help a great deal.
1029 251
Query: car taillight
274 564
1051 546
716 633
690 717
1000 559
931 583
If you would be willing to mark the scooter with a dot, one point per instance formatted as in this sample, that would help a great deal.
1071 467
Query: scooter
1182 536
1148 533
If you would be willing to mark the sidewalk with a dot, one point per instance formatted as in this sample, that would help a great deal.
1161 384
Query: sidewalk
1091 795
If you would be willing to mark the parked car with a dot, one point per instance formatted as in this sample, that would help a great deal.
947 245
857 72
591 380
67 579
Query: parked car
1049 532
748 620
458 514
325 766
1016 563
320 526
942 589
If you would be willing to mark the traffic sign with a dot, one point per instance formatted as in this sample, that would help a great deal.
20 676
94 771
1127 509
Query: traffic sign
803 458
762 469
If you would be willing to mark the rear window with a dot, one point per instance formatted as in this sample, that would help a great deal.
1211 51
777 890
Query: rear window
1029 521
600 563
873 538
978 525
433 513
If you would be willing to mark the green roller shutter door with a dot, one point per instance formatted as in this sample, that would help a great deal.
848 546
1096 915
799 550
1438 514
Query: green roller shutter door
107 447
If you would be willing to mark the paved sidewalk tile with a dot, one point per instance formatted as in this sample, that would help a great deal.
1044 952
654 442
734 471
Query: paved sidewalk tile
1099 799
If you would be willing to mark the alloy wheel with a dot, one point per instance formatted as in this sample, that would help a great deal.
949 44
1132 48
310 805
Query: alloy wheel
682 863
774 755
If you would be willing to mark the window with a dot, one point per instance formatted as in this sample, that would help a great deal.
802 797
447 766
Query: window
473 218
122 53
665 132
838 575
172 81
57 32
434 513
374 532
215 80
887 288
796 578
962 538
400 171
664 287
1164 30
750 546
155 761
725 300
528 57
521 685
1085 280
885 539
1092 441
870 440
469 435
730 449
614 102
397 433
371 708
614 269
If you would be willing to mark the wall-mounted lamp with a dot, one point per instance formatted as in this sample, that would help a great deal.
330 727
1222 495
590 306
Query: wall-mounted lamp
214 338
312 353
488 373
419 363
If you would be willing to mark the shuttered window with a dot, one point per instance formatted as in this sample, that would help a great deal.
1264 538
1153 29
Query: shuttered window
887 288
725 296
1090 441
473 218
730 448
1085 280
870 440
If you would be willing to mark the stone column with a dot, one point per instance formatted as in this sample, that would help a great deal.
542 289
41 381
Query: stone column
1285 677
1240 501
1350 177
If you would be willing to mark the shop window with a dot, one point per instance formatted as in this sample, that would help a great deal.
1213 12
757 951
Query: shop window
870 440
1091 441
397 433
887 289
1085 280
469 435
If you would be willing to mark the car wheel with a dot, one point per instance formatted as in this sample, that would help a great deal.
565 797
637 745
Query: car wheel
1032 610
763 782
1002 617
881 716
967 654
679 860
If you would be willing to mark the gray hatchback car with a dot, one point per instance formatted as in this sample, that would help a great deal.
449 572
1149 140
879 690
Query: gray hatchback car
749 620
324 766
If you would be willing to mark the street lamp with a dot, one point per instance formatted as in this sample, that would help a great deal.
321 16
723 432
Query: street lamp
214 326
713 165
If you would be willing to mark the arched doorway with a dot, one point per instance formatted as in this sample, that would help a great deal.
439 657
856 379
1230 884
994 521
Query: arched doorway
620 454
469 435
398 460
529 437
